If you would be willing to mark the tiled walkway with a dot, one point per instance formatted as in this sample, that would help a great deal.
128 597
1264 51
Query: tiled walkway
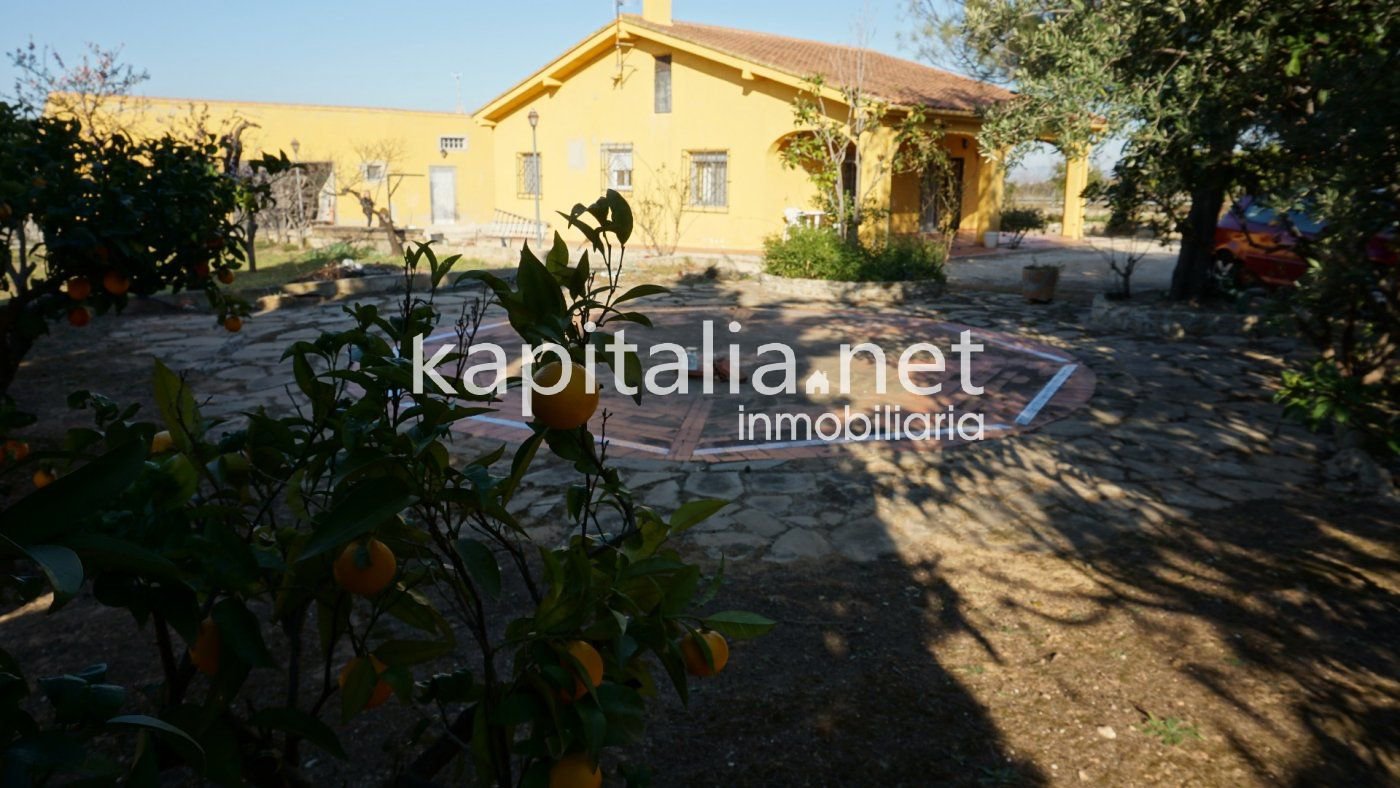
1144 430
1025 385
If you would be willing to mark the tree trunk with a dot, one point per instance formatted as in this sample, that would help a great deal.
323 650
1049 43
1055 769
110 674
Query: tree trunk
250 227
1191 277
386 223
14 343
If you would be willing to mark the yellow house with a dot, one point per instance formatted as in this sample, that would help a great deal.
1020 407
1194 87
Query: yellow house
430 169
687 120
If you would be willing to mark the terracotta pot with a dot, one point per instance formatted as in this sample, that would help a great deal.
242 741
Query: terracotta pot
1038 284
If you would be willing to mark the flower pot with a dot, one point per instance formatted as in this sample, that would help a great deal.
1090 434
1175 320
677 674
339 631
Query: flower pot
1038 284
991 238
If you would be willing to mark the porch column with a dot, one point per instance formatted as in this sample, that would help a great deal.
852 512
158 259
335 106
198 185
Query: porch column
1076 178
990 178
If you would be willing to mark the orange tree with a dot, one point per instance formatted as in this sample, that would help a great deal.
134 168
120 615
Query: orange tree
322 561
87 223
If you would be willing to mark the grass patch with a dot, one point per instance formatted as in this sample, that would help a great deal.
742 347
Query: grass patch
819 253
279 264
1171 730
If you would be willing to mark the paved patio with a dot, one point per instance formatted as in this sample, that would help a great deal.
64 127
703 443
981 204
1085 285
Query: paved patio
1084 264
1171 429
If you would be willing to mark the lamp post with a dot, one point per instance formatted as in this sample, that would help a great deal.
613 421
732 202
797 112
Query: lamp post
301 202
539 176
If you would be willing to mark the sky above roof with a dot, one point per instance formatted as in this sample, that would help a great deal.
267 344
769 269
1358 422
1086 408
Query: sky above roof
358 53
402 54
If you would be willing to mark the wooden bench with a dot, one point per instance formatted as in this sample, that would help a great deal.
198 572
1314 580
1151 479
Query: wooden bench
508 226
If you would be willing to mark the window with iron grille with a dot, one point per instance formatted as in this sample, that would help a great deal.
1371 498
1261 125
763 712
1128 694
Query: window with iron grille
372 171
527 175
709 179
617 166
449 144
663 84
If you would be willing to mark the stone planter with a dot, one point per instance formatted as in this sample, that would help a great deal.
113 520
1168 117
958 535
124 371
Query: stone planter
847 292
1038 283
991 238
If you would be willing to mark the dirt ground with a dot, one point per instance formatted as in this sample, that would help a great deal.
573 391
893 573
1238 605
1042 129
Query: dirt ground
1257 645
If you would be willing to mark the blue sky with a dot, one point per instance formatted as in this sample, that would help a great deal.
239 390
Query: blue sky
390 54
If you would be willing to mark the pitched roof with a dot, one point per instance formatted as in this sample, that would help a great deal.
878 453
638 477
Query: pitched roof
890 78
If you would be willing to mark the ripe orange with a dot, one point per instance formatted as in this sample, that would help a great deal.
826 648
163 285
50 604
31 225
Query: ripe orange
365 569
226 276
381 691
79 316
592 663
695 663
571 407
233 324
15 450
201 270
43 478
116 282
575 771
162 442
207 644
79 288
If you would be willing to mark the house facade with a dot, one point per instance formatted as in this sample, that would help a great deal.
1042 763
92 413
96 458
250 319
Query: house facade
687 120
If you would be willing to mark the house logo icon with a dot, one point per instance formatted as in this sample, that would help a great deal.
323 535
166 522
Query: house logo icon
817 383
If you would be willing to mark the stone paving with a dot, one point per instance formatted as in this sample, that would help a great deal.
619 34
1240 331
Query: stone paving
1172 428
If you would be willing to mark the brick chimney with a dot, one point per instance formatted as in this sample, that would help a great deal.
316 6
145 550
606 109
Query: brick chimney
657 11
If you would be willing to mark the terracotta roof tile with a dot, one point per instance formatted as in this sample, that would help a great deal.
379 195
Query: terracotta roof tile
890 78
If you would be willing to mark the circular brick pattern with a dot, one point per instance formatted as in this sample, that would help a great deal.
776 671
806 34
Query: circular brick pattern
1025 385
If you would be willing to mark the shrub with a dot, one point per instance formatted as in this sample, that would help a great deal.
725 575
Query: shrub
351 533
115 219
904 259
819 253
1019 221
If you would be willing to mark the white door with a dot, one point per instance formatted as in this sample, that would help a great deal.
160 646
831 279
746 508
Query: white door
325 201
442 187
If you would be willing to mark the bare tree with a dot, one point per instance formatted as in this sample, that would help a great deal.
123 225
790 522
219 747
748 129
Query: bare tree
660 210
372 179
837 137
95 91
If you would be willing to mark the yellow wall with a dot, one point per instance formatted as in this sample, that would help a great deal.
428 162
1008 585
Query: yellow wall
596 100
713 108
333 134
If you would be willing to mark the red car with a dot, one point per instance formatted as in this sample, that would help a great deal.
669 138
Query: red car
1254 246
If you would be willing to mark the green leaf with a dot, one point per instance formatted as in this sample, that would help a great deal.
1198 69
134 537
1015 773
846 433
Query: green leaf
64 506
185 744
60 565
641 291
621 216
359 686
241 633
299 723
692 513
411 652
538 288
521 463
481 565
176 404
357 512
739 624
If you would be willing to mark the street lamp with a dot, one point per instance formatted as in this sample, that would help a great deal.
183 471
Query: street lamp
539 176
301 199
